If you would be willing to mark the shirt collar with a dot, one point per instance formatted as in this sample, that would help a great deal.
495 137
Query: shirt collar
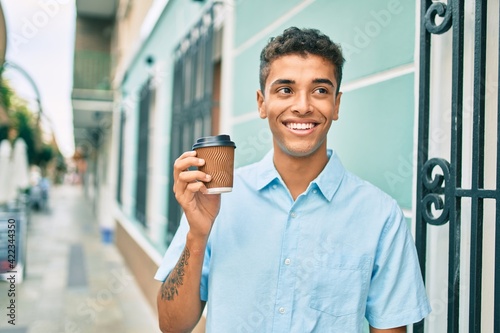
268 172
328 181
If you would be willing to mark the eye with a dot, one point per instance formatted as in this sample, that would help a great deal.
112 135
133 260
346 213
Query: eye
285 90
321 90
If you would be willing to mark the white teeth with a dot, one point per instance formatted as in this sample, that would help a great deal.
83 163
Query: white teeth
300 126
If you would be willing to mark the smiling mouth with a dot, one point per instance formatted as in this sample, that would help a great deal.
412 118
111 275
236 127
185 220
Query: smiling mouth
300 126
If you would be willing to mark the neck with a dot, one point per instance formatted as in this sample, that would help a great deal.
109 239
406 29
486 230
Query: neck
298 172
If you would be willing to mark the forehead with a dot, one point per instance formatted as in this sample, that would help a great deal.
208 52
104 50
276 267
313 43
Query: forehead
295 66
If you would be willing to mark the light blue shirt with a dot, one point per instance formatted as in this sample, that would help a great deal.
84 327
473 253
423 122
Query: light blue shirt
322 263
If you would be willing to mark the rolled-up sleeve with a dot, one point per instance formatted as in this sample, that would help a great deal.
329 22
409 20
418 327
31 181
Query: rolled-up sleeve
397 295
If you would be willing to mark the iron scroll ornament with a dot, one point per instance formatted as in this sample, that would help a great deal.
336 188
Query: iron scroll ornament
435 191
444 11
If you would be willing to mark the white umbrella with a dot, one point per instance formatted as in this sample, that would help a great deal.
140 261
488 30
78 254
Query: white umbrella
5 167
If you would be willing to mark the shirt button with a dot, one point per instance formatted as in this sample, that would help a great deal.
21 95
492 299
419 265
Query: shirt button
281 310
293 214
275 187
287 261
315 191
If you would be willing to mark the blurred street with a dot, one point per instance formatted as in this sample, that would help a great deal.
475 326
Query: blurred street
74 282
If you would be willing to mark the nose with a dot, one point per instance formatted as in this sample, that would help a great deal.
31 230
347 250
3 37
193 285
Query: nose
302 104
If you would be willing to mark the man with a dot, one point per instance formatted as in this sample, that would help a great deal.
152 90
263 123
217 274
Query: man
301 244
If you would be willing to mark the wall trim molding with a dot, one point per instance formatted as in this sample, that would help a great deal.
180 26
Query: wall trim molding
273 26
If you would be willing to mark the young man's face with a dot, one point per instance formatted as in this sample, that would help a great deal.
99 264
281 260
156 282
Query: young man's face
300 102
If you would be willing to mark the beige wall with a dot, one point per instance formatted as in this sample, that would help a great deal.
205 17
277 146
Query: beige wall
140 264
129 19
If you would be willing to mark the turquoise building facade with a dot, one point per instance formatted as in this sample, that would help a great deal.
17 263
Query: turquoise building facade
374 135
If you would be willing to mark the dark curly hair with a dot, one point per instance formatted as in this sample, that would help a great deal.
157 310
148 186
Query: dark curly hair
302 42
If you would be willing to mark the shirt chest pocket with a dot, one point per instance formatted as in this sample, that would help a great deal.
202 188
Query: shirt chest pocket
340 285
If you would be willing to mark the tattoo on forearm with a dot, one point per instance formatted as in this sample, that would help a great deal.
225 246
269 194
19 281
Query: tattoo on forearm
175 278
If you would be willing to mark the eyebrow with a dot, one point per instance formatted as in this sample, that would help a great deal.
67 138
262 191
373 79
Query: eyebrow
287 81
326 81
282 81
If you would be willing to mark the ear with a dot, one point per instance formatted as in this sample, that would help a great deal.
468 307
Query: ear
337 106
261 104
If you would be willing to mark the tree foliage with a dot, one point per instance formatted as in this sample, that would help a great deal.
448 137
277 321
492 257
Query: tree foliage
16 114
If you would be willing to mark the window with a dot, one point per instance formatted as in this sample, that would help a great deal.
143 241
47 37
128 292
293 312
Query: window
142 154
195 101
119 181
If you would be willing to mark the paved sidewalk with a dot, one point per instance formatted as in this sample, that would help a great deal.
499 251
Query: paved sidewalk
74 283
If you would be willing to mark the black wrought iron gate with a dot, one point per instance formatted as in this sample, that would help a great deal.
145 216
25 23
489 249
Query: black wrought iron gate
440 192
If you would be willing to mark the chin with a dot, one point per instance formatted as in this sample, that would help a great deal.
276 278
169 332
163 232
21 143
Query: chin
299 149
299 153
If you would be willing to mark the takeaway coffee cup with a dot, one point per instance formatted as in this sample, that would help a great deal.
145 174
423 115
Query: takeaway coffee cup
218 153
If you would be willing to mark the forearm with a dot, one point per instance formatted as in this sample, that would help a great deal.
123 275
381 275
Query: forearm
179 304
